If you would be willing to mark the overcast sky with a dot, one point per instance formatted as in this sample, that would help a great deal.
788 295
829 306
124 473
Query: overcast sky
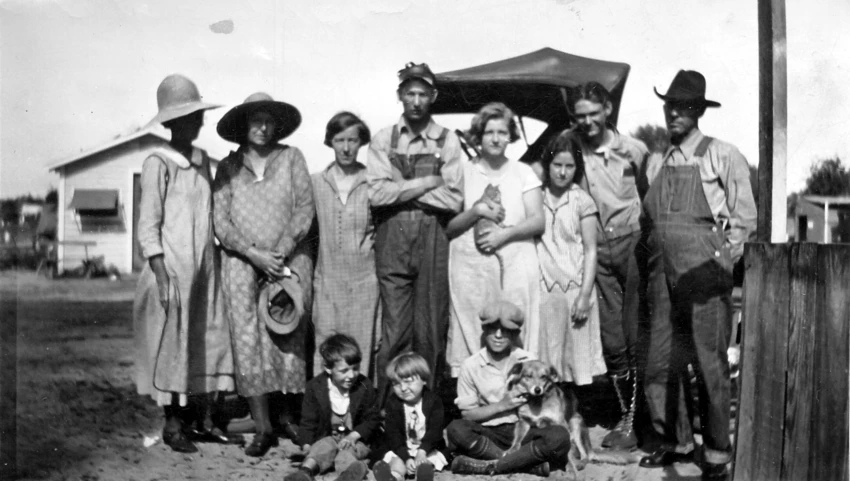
76 73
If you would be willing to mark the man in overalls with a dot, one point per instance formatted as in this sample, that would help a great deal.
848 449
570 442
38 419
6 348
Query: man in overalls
415 180
700 211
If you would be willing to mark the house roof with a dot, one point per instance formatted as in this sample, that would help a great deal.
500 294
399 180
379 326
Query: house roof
114 143
828 199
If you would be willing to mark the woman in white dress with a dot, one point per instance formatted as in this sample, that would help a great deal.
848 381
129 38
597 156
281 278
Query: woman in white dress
501 263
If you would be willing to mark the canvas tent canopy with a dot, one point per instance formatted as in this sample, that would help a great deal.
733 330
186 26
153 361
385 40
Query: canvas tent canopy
538 85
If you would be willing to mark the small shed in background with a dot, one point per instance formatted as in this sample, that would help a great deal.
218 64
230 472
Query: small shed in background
98 207
822 219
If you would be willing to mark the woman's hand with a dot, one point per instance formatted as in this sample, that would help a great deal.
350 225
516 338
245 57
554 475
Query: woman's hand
163 284
349 440
270 262
491 239
581 309
488 209
421 457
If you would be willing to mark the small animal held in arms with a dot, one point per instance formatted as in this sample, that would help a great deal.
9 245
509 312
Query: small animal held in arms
549 405
493 197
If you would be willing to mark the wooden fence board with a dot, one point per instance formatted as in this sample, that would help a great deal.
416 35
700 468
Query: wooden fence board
829 443
8 383
763 363
799 387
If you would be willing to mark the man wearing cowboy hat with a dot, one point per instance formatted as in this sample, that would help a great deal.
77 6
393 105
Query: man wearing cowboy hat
700 210
415 178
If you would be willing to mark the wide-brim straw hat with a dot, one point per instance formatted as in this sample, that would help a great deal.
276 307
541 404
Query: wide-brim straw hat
177 96
687 87
233 127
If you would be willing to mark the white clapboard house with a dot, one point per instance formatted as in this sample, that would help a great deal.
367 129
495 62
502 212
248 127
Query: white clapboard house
99 199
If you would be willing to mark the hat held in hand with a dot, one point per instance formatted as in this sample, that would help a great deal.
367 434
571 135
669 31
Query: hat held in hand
281 304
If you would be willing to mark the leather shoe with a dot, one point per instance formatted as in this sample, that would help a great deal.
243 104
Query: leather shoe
215 435
178 442
661 458
425 472
261 444
290 431
714 472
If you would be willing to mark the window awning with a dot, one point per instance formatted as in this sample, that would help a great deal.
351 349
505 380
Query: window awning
94 199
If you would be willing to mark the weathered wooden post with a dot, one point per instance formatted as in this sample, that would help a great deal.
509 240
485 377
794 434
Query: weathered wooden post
8 383
793 421
773 120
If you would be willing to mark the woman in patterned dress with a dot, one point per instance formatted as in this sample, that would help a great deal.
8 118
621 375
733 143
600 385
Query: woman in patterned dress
569 316
263 211
502 263
345 284
182 337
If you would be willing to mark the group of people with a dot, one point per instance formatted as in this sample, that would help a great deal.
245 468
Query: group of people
431 273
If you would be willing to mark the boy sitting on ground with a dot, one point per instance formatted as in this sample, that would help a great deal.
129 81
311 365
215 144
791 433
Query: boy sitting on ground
339 415
486 429
414 423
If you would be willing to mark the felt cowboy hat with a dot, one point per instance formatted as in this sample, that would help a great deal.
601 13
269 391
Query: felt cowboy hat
281 304
508 315
233 127
176 97
688 87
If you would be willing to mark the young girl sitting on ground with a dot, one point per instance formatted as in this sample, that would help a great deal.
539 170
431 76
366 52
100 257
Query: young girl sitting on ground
414 423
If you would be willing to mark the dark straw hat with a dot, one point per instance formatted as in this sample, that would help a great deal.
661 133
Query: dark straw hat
233 127
687 87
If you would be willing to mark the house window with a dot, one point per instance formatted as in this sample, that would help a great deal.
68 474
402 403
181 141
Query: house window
98 210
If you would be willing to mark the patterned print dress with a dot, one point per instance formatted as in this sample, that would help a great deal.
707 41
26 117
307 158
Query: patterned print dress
574 350
345 284
273 211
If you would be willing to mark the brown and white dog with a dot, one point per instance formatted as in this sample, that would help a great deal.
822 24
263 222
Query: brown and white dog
548 405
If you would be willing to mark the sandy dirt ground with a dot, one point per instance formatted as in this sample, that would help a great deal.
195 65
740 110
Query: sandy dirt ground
79 417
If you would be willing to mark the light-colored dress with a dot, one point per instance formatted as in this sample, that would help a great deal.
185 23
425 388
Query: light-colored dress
575 351
474 278
345 285
273 211
187 346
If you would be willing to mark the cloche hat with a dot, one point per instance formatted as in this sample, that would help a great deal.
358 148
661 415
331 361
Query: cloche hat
507 314
233 127
688 86
176 97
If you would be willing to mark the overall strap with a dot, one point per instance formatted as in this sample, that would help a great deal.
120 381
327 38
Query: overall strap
441 140
394 139
702 147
